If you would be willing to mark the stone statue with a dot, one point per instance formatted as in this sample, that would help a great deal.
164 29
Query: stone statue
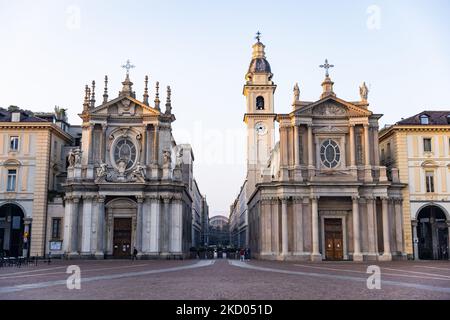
296 93
139 171
364 92
71 158
179 161
122 167
77 154
102 171
167 158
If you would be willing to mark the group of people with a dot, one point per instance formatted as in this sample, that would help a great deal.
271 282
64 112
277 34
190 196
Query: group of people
244 254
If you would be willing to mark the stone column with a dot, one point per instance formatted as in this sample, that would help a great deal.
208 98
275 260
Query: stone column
357 256
398 225
91 143
73 246
139 225
154 224
298 225
165 227
376 147
298 172
100 227
352 146
310 147
87 226
387 256
371 228
176 231
368 169
315 256
275 226
155 160
415 239
284 227
103 144
265 227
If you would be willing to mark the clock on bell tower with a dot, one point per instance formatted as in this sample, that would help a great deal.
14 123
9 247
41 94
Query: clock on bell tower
259 91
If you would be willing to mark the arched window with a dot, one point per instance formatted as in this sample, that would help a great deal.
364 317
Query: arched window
259 103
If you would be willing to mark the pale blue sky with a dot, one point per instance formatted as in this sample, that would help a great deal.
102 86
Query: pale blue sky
203 48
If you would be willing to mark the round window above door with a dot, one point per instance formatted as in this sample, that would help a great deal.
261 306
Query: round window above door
330 154
125 153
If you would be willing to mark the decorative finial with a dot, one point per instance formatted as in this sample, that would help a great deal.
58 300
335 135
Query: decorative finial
128 66
157 101
169 101
93 95
296 93
105 94
326 66
146 91
258 36
86 98
364 92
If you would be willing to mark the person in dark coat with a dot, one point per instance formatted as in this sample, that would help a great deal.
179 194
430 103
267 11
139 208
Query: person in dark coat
135 252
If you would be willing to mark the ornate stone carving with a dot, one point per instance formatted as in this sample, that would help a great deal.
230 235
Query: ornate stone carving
329 109
102 171
167 157
364 92
71 159
139 173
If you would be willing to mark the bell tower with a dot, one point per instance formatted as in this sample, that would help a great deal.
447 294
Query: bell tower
259 91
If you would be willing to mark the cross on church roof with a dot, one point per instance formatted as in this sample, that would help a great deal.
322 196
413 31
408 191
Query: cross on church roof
326 66
258 36
128 66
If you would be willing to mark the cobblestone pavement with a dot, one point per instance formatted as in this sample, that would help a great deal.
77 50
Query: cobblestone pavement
227 280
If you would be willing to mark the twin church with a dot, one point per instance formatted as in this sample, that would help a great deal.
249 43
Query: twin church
120 182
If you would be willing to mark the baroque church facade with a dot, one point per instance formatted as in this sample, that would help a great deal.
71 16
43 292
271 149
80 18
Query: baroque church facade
129 186
319 193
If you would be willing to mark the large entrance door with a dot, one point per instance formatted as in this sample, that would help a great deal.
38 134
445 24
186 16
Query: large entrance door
122 237
11 230
432 232
334 248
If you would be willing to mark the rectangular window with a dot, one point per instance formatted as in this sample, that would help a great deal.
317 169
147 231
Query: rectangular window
14 144
11 184
429 176
56 228
383 156
427 144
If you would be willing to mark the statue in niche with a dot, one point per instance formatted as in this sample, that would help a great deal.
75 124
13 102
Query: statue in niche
167 158
179 160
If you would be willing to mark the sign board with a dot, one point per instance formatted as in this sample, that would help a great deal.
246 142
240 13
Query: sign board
56 245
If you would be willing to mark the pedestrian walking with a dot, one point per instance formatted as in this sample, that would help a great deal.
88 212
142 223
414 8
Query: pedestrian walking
242 254
135 252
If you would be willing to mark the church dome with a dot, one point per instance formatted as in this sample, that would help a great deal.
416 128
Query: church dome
259 65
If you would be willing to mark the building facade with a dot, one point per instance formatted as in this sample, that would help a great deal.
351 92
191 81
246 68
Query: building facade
31 163
320 193
238 219
419 147
129 186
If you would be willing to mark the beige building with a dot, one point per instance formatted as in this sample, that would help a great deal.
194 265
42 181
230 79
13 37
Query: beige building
320 193
31 160
419 147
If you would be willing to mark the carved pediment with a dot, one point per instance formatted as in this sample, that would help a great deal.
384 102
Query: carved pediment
332 107
329 109
329 129
124 106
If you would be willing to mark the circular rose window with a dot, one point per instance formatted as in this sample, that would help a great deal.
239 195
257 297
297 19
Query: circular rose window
330 154
125 153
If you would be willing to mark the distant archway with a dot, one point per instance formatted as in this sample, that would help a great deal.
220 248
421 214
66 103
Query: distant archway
432 231
11 230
